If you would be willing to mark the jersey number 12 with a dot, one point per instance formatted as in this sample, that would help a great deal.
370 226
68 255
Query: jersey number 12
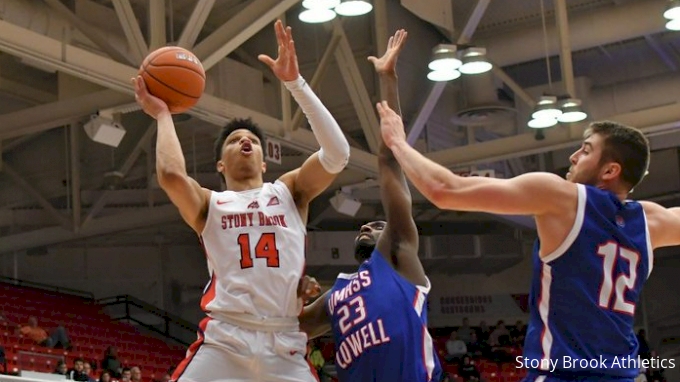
619 283
264 249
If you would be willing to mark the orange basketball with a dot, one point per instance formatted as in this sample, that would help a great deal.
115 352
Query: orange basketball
174 75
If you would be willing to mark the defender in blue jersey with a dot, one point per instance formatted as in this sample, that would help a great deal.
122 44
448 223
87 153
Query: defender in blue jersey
378 315
594 251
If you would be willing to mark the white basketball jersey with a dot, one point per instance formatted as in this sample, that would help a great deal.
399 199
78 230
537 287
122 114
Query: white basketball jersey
255 246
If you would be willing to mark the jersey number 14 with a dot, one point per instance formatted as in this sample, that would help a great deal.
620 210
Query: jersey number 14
621 282
264 249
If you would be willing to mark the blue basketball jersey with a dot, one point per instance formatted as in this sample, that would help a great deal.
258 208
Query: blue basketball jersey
379 322
584 294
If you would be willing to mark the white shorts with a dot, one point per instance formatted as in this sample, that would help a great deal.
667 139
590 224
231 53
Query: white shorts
228 353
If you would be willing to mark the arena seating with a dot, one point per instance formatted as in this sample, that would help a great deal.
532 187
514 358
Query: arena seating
90 329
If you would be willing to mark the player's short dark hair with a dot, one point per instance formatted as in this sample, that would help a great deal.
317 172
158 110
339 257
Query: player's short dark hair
626 146
236 124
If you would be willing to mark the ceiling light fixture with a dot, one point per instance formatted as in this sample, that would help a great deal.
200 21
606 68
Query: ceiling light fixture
324 4
672 11
316 15
353 7
474 61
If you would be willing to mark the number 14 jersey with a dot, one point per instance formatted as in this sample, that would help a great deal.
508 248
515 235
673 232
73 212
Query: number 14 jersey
584 294
254 242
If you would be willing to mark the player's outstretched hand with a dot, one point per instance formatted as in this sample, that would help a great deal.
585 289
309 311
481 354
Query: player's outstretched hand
151 105
391 125
285 67
387 64
308 288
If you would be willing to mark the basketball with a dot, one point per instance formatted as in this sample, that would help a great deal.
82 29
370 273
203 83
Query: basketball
174 75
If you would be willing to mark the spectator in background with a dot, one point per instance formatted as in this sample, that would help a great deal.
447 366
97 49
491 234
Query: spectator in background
168 374
308 357
483 332
500 336
111 363
518 333
468 371
87 369
77 373
465 331
135 374
643 349
476 348
39 335
316 358
455 348
61 368
105 376
126 375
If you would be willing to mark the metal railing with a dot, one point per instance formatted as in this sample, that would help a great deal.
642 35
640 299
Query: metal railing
46 287
138 311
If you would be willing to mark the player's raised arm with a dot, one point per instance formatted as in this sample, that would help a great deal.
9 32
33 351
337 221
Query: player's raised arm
184 192
399 242
663 224
527 194
321 168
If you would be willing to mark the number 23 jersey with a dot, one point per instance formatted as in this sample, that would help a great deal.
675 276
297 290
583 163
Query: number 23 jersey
379 324
254 242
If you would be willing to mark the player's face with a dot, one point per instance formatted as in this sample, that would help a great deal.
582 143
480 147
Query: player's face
585 162
365 241
241 151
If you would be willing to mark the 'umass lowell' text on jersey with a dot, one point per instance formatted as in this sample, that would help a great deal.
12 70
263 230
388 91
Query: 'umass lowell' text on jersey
583 295
380 326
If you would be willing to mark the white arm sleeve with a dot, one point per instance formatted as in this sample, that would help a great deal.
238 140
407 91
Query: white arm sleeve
334 152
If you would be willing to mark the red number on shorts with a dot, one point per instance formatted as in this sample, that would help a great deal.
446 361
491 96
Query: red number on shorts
264 249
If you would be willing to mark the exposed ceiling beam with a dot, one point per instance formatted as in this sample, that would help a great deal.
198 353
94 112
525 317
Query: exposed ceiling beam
667 57
140 217
60 113
565 47
244 25
195 23
356 88
157 37
426 109
590 29
556 138
133 33
25 93
88 30
100 202
44 203
106 72
321 68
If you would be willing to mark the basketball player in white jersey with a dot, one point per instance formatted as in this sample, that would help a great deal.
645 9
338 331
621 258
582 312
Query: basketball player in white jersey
253 235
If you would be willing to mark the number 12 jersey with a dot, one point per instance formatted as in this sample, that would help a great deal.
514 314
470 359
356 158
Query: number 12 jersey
584 294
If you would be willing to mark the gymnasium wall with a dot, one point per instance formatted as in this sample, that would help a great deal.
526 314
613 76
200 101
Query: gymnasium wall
173 277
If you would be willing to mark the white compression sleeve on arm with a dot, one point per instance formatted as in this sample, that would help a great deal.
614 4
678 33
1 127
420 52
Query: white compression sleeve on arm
334 152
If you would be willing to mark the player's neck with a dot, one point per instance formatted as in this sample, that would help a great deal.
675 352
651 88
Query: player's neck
244 184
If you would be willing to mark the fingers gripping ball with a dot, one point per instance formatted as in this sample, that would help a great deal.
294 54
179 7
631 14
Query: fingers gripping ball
174 75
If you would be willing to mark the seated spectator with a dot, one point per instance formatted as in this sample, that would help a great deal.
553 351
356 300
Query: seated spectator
126 375
518 333
312 369
168 375
316 358
455 348
111 363
105 376
40 336
468 371
87 369
78 373
500 335
483 332
465 331
643 349
61 368
476 348
135 374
